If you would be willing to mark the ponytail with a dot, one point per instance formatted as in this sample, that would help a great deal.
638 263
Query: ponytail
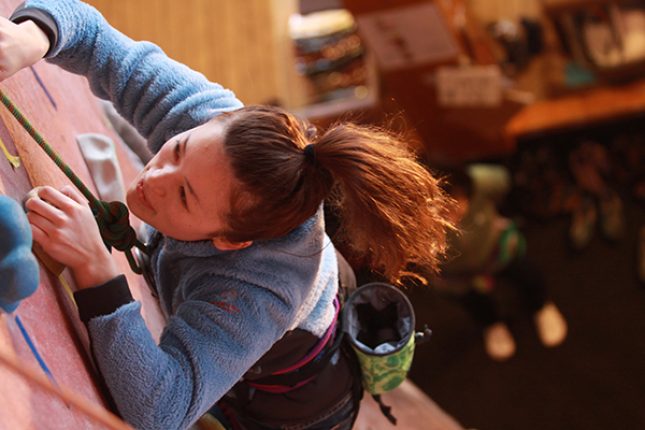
391 209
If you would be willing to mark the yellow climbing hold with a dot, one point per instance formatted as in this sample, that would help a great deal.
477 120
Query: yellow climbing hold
14 160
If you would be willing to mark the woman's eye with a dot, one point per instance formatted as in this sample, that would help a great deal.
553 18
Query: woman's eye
182 196
176 151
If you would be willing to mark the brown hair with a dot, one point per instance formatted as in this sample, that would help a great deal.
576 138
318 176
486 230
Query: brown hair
391 208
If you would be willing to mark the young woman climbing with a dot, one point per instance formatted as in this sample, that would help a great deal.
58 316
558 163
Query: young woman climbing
238 254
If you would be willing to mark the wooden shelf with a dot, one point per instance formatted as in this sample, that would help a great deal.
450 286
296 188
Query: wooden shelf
596 105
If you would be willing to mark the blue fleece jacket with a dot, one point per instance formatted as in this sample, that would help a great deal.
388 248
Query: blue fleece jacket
224 309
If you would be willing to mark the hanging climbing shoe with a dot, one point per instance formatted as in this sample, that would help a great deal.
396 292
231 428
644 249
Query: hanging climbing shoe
499 342
551 325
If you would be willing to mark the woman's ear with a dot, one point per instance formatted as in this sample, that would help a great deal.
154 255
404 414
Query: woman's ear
224 244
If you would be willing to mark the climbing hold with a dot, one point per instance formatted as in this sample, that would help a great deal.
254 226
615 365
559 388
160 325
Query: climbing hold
14 160
19 271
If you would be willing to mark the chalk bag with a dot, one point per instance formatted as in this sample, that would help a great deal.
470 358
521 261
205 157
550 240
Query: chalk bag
379 322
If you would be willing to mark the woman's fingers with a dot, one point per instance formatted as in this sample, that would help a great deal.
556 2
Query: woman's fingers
57 199
74 194
39 235
46 210
41 224
55 209
63 224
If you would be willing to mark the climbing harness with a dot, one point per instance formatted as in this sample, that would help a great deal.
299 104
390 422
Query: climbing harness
307 368
111 217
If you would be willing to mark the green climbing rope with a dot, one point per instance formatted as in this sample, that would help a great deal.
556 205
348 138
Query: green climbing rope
112 217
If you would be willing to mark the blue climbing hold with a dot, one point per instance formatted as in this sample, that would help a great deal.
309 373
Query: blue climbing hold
19 271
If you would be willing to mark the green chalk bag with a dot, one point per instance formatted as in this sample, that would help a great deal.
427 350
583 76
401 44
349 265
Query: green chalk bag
379 322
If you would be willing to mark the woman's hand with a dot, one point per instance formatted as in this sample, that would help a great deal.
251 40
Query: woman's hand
63 224
21 45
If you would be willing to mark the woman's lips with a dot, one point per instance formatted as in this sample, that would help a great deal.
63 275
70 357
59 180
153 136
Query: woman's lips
142 195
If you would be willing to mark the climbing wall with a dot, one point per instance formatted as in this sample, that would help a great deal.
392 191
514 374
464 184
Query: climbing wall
60 106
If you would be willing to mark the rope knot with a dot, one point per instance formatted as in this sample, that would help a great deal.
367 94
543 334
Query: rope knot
115 227
113 219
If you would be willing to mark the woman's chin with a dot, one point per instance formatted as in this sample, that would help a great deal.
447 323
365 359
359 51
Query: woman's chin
135 208
130 197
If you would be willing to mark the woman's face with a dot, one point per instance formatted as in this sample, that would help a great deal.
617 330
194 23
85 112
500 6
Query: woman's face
184 191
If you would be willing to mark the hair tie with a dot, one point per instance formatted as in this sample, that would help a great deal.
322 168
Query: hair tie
311 133
310 154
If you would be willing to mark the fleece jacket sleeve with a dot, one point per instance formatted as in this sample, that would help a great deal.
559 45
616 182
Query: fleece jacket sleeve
156 94
102 299
206 347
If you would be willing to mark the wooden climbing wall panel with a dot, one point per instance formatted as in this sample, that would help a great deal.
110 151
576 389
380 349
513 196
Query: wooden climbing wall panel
60 106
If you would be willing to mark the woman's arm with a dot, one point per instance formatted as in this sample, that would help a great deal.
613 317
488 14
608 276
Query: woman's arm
212 339
156 94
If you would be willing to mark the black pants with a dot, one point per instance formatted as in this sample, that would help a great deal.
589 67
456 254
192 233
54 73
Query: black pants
524 276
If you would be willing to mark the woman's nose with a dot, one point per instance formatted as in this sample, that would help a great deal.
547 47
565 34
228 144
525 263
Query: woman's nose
158 180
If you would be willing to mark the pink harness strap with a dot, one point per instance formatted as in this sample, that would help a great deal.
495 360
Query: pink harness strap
315 351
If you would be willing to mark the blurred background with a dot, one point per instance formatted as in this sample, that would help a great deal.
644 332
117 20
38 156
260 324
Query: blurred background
541 103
